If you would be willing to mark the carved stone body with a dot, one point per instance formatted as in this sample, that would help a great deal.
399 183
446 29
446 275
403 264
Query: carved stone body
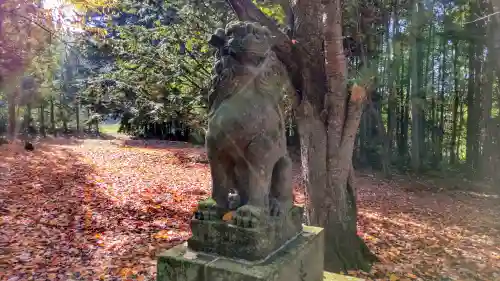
246 141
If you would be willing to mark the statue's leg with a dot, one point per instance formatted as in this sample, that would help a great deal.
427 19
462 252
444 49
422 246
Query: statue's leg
260 159
241 180
220 180
258 162
281 186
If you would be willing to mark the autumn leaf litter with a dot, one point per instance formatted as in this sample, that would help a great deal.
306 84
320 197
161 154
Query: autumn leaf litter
101 210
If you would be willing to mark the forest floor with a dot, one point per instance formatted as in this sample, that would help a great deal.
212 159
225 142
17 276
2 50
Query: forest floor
77 209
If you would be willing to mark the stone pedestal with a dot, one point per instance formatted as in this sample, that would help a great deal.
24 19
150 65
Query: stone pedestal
300 259
251 244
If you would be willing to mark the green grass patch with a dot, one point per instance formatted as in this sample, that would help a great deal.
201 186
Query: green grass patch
328 276
109 128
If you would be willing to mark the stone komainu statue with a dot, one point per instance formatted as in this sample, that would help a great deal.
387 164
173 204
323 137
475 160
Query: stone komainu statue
246 138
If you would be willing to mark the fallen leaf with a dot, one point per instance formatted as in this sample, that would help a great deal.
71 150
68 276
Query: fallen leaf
228 216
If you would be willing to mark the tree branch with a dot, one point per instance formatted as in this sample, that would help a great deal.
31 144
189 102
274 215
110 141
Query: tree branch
351 123
282 45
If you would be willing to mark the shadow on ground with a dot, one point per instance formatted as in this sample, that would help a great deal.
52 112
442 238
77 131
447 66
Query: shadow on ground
58 223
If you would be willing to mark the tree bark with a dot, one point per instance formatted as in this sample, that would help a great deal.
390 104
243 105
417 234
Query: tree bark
473 96
460 127
404 118
52 117
456 101
488 151
11 108
393 79
327 118
440 135
42 120
77 114
416 89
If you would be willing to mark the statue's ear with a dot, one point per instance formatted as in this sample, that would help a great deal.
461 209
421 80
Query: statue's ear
218 38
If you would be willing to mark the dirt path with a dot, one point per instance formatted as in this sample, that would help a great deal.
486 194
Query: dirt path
101 209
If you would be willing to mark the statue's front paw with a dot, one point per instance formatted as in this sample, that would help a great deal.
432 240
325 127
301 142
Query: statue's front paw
249 216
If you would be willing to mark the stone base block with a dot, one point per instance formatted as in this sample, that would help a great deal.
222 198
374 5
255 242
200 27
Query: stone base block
252 244
299 260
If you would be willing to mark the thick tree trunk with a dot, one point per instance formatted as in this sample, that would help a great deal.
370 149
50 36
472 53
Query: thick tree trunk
327 119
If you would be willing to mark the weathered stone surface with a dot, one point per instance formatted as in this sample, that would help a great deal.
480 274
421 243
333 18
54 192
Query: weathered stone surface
299 260
221 238
246 138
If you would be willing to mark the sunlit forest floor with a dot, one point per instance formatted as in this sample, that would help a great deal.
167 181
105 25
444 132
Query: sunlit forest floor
101 209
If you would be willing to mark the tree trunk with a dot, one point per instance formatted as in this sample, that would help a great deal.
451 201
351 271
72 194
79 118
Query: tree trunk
430 130
328 118
456 101
52 117
440 134
89 124
496 38
11 108
488 151
460 127
77 114
393 72
42 120
62 111
404 118
473 108
416 89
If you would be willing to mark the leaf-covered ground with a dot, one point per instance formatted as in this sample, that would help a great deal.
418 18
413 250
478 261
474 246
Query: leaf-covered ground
102 209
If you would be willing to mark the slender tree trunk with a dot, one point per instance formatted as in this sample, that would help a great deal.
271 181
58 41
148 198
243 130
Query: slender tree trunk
473 108
440 134
27 122
488 150
392 118
77 114
89 124
393 66
11 108
62 111
456 101
460 127
416 89
432 127
52 117
42 120
28 111
405 105
430 90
